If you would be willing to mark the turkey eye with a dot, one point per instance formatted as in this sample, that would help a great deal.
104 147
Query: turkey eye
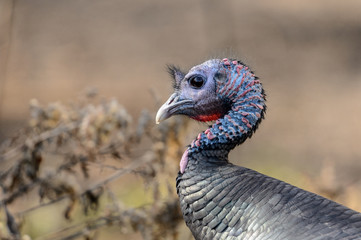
196 81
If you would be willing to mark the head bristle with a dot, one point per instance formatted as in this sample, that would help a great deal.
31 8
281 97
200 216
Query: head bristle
176 74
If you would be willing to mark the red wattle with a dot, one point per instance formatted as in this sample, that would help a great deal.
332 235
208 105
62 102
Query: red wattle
207 118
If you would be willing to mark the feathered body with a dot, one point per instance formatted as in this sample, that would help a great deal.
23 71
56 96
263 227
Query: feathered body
222 201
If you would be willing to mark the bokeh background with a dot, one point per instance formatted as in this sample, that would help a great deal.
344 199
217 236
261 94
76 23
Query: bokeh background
306 53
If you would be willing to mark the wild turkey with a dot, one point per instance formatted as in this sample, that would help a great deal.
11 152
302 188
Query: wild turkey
222 201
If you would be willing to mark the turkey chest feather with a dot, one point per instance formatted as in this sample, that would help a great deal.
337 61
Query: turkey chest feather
222 201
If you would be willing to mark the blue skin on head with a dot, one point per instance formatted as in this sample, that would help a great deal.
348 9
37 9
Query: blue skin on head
223 90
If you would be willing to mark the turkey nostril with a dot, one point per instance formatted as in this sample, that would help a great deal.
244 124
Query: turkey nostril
172 99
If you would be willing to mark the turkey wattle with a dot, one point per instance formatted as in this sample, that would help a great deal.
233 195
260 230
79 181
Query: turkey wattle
222 201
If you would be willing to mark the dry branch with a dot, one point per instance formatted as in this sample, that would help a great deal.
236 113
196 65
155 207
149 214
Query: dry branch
62 155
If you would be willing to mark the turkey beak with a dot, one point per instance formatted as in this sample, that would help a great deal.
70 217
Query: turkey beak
171 107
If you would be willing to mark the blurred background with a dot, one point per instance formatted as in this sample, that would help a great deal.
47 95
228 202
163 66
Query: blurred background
306 53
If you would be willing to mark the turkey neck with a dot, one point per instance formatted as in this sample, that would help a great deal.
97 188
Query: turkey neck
237 86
